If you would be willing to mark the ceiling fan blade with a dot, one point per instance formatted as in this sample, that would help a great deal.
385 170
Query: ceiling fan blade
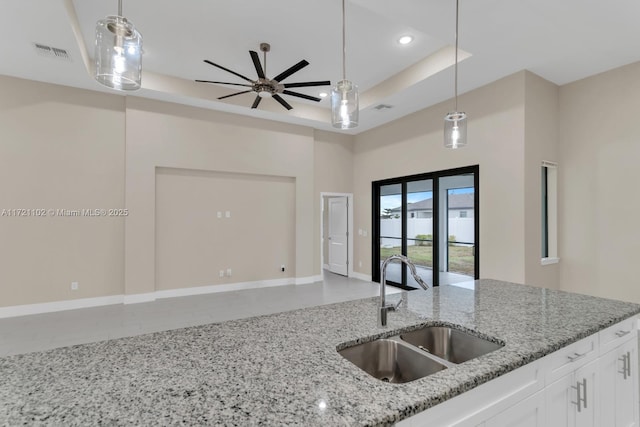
282 102
234 94
308 84
256 102
228 70
256 63
301 95
286 73
224 83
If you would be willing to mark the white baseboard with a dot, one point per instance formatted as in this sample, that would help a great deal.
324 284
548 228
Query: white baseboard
199 290
139 298
325 266
308 280
360 276
50 307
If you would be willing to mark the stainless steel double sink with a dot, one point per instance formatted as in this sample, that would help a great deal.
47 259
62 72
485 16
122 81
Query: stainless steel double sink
415 354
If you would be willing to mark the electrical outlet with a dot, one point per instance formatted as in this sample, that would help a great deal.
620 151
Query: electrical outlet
228 272
74 286
221 273
359 263
219 214
282 267
227 214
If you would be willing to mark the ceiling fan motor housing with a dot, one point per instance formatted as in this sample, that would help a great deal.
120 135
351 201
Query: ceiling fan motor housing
267 88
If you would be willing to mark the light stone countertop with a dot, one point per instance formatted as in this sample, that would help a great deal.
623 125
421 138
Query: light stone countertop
283 369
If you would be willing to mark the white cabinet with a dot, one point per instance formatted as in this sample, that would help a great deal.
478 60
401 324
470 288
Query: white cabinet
572 384
472 408
590 383
529 412
619 385
571 401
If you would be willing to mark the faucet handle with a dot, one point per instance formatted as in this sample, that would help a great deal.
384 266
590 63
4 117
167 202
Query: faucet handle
400 301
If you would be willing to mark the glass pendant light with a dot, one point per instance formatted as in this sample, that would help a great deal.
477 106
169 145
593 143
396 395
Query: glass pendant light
455 124
118 56
344 95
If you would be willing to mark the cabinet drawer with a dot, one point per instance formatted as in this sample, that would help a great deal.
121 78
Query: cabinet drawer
617 334
571 358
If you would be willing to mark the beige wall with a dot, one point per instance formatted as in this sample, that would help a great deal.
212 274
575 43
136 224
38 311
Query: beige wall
414 144
599 241
173 136
64 148
541 143
60 148
333 164
193 244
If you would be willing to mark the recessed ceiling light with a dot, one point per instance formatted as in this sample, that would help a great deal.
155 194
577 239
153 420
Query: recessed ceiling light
405 39
323 94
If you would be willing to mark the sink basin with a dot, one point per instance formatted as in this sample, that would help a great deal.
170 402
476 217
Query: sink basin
449 344
391 361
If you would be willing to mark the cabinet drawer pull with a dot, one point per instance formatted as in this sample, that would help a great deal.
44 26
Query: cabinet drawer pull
620 334
628 369
576 356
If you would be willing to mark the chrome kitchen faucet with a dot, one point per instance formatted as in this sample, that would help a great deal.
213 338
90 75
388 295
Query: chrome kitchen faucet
384 308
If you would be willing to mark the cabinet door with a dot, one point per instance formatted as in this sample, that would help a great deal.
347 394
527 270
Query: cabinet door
560 409
572 401
618 391
529 412
626 385
611 366
587 410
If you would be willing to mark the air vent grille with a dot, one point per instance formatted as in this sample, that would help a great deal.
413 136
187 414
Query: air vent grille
52 52
381 107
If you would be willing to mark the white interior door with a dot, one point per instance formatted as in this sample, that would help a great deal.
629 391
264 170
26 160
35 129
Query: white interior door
338 237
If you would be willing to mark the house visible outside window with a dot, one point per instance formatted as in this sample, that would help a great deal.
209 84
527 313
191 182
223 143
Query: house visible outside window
463 214
549 214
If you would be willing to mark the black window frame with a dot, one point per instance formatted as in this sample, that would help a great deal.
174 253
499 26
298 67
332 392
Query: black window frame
434 176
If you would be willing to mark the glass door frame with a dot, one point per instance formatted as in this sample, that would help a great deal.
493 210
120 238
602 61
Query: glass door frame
435 177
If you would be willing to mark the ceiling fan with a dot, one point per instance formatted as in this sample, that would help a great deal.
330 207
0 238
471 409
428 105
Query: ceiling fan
265 87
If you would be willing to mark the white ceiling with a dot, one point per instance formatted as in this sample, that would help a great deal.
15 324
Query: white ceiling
562 41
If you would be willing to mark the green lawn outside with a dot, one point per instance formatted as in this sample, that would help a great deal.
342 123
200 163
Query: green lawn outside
460 257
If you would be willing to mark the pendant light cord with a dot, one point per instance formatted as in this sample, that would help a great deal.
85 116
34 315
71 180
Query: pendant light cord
456 61
119 7
344 44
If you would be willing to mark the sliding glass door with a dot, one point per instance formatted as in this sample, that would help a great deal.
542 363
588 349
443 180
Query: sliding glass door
390 233
458 208
432 219
419 230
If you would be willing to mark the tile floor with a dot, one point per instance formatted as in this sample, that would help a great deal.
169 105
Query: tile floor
52 330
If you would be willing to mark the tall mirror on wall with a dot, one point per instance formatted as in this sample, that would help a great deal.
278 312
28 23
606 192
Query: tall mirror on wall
432 219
